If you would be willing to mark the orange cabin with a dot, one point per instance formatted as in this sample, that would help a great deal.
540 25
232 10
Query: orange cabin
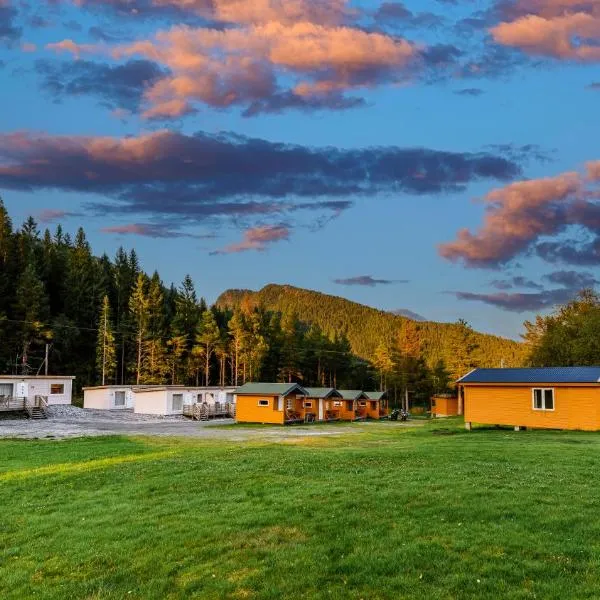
444 406
322 404
377 405
353 405
547 398
275 403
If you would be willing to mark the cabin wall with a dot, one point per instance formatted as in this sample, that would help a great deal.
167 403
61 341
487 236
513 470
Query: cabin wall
28 388
345 414
104 398
248 410
445 407
373 409
575 407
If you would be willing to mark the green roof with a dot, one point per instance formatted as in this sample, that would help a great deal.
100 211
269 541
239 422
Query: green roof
376 395
270 389
321 392
352 394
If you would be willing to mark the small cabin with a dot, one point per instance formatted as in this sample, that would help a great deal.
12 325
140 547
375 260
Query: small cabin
55 389
354 405
444 405
109 397
377 405
275 403
324 404
545 398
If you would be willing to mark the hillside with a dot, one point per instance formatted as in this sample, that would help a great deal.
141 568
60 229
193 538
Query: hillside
366 327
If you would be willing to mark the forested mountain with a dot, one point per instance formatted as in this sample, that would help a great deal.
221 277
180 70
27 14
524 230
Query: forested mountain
105 320
368 329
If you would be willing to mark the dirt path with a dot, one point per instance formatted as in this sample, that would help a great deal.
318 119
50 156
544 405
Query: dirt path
79 422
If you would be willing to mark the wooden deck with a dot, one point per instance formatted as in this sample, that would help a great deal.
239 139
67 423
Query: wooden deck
35 407
205 412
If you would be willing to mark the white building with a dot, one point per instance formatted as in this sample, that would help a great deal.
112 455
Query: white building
154 399
57 389
109 397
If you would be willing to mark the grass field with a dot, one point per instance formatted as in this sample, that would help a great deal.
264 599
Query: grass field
432 512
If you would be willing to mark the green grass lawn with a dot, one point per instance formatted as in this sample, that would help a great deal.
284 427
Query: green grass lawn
432 512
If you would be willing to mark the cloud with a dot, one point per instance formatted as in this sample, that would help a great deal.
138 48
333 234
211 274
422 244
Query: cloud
118 86
516 282
367 281
257 238
9 31
594 86
331 12
202 175
520 302
573 252
560 29
50 215
473 92
152 230
572 279
520 213
263 67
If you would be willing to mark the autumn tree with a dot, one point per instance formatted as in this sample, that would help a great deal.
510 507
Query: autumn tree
106 352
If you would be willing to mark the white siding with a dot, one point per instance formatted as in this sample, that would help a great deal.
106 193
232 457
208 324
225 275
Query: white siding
28 387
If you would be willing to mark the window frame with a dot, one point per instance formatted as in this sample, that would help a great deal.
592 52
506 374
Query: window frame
543 390
57 385
179 397
120 394
262 402
308 404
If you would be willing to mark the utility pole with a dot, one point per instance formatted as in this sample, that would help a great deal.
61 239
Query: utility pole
46 360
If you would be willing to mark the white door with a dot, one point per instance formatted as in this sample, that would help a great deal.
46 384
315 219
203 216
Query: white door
177 402
321 403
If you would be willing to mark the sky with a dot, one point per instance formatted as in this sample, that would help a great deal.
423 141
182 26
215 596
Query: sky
435 156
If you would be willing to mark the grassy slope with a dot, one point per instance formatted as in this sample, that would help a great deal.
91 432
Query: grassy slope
366 326
388 513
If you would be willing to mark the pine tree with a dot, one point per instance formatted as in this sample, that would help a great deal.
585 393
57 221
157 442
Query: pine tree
139 307
207 339
106 352
384 363
237 331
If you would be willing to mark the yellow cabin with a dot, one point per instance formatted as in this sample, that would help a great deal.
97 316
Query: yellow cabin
276 403
354 405
550 398
444 406
322 404
377 405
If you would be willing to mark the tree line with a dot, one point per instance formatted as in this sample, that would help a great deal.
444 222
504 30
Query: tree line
106 321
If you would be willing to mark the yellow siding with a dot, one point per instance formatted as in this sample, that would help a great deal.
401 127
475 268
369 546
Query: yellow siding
248 410
445 407
575 407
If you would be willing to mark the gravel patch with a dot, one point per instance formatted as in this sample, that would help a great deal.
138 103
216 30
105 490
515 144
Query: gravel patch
70 421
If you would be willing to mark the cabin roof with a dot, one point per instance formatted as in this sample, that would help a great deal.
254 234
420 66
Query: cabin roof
534 375
376 395
270 389
26 377
321 393
352 394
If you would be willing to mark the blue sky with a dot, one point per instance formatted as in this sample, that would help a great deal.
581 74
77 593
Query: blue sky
336 145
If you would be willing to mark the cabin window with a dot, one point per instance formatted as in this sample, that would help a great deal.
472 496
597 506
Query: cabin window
350 405
177 402
337 403
290 403
263 403
374 405
543 399
56 389
362 403
308 404
120 398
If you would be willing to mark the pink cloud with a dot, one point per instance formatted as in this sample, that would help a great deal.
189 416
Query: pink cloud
257 238
517 215
28 47
562 29
251 63
244 11
50 215
593 170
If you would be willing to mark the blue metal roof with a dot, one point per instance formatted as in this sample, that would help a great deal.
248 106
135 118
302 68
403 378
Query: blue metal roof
534 375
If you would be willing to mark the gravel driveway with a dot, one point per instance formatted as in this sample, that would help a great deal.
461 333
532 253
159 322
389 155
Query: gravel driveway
70 421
